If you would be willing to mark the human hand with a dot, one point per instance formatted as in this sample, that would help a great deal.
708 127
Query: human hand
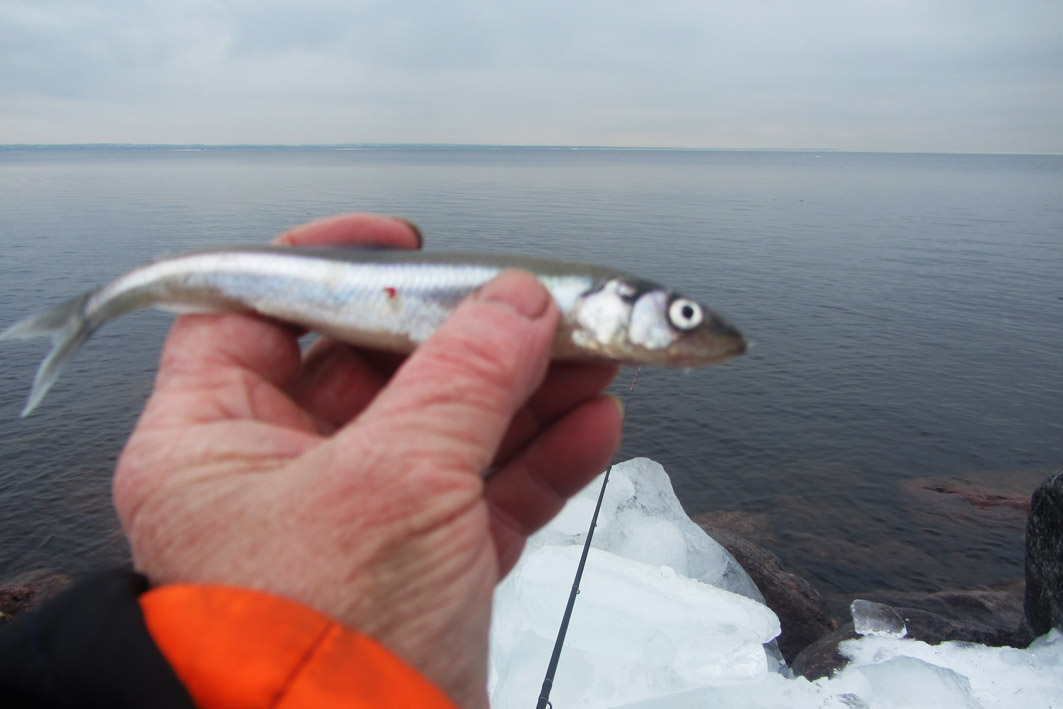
351 481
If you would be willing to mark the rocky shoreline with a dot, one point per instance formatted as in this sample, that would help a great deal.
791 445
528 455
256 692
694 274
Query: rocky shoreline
26 592
1011 615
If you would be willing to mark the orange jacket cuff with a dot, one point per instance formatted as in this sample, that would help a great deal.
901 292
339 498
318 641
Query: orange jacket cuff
233 647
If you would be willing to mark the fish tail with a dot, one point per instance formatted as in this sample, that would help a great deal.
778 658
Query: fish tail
68 326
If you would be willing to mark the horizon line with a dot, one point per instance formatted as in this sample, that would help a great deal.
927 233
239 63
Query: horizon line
490 146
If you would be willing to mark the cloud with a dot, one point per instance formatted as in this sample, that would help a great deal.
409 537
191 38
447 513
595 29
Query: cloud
760 73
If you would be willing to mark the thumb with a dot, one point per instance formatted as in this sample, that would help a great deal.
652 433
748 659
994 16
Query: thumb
453 399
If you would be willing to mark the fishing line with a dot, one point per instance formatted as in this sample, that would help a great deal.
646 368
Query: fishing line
555 657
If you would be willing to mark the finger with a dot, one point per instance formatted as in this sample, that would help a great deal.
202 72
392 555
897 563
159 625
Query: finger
452 400
335 383
355 229
566 385
217 367
529 491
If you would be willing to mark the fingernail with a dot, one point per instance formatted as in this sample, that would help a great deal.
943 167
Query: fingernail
517 290
618 402
414 228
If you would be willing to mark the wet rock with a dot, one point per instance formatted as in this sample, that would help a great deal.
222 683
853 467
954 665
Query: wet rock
822 658
28 591
974 494
997 612
756 527
803 614
933 629
964 509
1044 557
843 556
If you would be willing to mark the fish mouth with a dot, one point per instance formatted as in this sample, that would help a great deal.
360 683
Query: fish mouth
731 341
717 343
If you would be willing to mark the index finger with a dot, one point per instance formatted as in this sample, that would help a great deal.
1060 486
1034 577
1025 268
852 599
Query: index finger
355 229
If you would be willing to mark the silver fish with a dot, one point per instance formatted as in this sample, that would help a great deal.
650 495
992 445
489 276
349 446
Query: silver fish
390 299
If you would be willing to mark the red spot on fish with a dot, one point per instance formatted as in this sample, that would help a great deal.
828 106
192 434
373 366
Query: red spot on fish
390 291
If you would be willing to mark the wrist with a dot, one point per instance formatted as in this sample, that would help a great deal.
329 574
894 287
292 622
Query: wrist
233 647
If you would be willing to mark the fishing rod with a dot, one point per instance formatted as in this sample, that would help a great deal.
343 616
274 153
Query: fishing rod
555 656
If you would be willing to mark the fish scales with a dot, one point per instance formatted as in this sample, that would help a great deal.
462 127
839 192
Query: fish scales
390 299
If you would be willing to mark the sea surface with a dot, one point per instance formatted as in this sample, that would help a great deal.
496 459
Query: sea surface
904 394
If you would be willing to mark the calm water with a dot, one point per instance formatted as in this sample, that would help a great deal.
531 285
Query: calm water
907 312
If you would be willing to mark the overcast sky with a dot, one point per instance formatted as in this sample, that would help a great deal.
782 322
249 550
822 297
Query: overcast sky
905 75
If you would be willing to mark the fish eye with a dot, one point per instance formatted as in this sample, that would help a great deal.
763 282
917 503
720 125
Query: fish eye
685 314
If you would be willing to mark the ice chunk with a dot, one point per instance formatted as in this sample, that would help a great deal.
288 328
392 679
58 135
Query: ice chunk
870 618
646 635
655 542
907 682
769 692
637 625
641 493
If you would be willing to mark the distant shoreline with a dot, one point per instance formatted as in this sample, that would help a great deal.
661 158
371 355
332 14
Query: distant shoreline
20 147
391 146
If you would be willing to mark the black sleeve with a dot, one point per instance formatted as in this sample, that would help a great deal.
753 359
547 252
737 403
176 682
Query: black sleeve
88 647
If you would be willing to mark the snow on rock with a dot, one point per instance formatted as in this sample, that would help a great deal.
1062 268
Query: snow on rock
992 676
667 620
